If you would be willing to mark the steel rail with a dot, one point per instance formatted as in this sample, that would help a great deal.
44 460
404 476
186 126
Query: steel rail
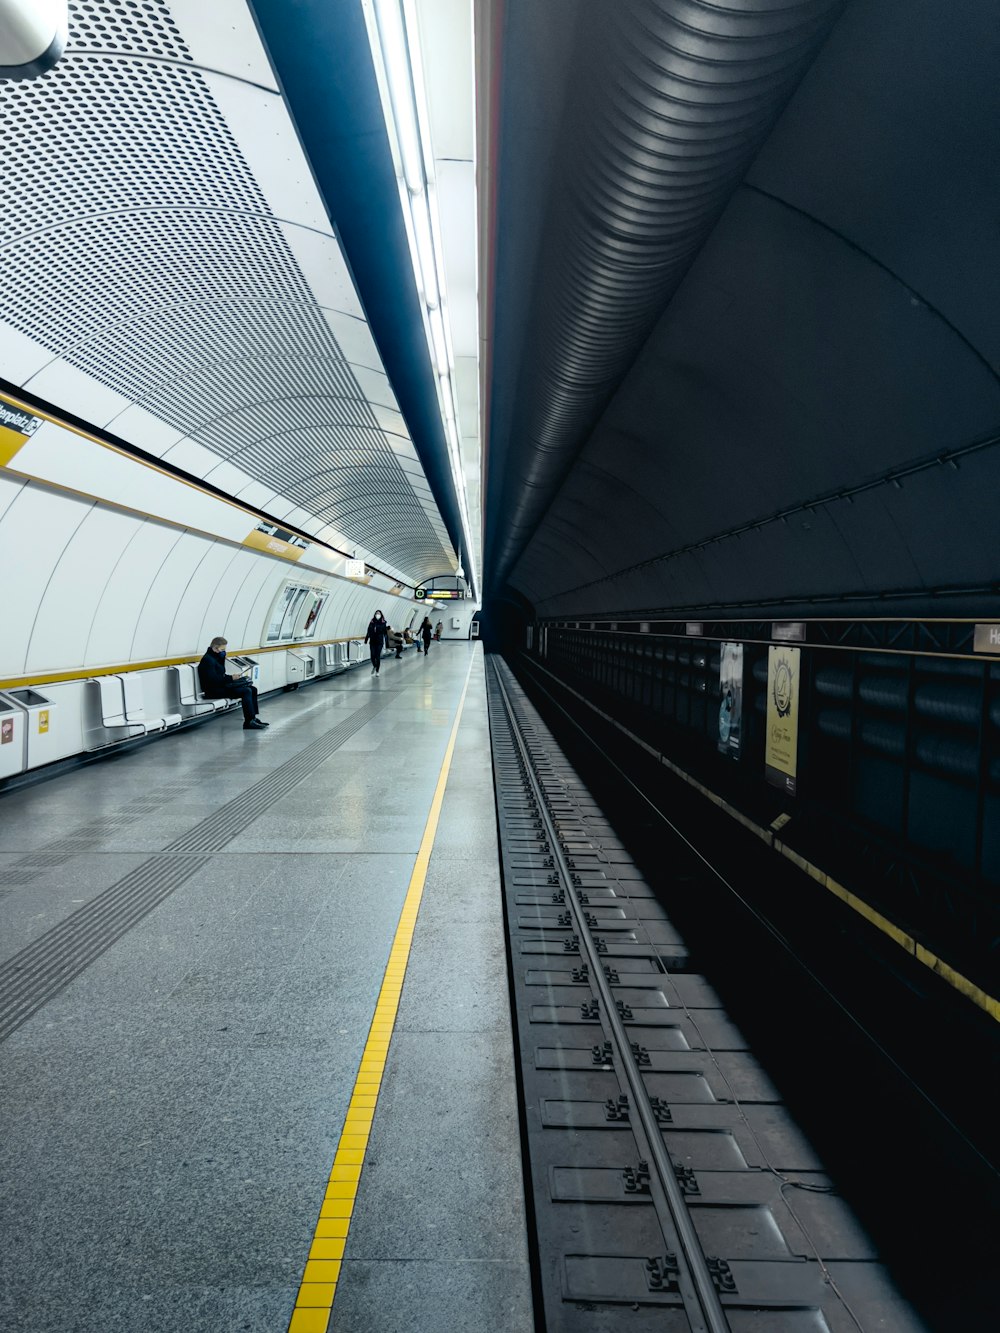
708 1314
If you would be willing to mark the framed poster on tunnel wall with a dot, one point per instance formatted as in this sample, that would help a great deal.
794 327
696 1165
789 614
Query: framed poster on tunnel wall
731 698
781 742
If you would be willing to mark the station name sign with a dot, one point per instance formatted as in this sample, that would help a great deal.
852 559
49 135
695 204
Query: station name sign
276 541
16 427
788 631
987 639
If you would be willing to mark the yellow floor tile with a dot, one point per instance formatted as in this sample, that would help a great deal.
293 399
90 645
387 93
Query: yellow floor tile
316 1294
337 1207
321 1270
309 1321
341 1189
325 1228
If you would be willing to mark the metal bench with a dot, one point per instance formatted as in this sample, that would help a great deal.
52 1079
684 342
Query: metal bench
192 701
122 709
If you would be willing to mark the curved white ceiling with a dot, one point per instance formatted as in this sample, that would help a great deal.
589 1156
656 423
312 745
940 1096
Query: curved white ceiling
170 274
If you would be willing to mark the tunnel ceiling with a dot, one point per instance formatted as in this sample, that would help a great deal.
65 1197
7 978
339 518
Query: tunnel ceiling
745 347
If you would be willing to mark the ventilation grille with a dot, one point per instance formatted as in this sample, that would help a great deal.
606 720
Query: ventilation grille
146 29
139 249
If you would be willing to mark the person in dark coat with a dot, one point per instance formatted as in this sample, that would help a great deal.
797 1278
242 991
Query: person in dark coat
425 633
375 638
216 683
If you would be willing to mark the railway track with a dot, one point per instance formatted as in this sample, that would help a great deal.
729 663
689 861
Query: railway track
671 1189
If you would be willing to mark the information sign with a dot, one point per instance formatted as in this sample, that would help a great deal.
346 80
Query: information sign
782 739
986 639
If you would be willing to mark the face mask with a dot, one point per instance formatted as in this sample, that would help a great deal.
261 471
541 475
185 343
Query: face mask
222 652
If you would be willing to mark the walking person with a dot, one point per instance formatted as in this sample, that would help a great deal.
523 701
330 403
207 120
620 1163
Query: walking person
375 638
217 683
426 633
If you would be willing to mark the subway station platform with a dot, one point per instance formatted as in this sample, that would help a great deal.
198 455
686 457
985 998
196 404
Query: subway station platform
254 1058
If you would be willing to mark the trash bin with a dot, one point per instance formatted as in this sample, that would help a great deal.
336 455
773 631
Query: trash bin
39 716
301 666
13 733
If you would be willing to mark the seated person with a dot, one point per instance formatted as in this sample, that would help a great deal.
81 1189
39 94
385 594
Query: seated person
217 683
396 641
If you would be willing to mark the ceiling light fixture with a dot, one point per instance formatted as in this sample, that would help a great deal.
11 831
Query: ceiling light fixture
394 39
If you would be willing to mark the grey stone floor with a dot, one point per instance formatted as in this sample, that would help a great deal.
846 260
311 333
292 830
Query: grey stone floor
168 1119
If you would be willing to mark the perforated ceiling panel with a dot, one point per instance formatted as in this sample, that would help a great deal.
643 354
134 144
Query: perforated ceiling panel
139 248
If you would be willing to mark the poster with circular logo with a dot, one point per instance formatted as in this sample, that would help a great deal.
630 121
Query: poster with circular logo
782 740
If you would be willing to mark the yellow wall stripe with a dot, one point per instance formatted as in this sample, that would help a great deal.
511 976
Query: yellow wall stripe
319 1280
9 448
152 664
10 442
988 1003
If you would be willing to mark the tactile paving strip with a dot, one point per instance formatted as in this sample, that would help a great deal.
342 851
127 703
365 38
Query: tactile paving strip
226 823
782 1251
32 977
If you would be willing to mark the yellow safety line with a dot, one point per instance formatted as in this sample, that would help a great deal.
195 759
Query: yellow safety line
988 1003
319 1281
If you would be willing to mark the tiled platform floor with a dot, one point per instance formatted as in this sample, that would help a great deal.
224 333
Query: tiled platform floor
169 1118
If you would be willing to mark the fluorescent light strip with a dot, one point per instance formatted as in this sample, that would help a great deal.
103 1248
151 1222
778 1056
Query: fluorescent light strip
419 87
395 56
394 38
419 206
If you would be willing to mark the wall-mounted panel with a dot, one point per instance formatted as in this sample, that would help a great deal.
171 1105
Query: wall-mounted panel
61 456
10 488
242 623
260 611
212 573
70 602
34 532
219 612
126 592
166 590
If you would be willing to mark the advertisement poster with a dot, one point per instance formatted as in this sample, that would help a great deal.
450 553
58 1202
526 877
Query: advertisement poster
782 739
6 731
731 703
